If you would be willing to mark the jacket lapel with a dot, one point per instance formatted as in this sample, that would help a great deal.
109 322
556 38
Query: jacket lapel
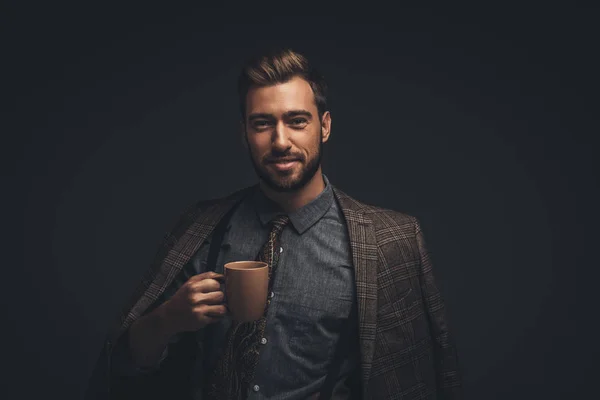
364 255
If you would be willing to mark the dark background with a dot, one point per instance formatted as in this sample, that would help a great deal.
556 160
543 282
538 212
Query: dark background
480 122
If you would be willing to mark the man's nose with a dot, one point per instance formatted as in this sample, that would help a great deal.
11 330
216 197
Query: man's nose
281 140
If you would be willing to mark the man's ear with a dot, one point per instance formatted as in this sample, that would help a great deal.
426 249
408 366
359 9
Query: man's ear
243 134
326 126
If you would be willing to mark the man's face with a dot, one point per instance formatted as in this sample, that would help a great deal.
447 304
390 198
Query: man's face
284 134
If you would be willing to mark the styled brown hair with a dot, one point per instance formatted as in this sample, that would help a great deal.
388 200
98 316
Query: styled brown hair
279 66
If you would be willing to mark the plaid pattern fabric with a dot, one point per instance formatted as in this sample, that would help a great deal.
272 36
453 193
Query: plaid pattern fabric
406 349
235 369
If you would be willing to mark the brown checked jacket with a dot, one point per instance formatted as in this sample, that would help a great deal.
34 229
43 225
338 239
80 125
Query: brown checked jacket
406 350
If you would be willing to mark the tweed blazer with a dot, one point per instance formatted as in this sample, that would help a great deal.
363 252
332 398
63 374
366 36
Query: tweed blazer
406 350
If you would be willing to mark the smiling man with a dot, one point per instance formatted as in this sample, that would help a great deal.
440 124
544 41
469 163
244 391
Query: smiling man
285 132
353 310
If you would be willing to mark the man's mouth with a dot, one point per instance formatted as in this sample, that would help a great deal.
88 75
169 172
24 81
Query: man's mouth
284 164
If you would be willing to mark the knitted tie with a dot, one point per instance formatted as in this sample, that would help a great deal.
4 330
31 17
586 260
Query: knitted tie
234 371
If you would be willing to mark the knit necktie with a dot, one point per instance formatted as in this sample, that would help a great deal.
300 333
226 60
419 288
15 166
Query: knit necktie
234 371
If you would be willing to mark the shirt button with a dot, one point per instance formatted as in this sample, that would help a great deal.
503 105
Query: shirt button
281 249
263 340
272 295
256 388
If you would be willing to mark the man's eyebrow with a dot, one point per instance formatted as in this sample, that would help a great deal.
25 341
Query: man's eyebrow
252 117
295 113
287 114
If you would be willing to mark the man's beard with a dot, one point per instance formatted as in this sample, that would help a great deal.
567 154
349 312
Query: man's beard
278 184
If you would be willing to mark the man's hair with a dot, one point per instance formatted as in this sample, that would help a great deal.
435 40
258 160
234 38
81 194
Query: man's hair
280 66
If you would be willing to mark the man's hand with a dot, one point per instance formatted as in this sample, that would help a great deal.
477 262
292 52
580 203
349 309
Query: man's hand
197 303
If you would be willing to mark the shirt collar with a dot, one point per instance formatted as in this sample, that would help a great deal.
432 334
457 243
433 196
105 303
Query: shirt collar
302 218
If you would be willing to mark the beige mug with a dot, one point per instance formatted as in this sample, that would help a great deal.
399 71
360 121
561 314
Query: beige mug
246 287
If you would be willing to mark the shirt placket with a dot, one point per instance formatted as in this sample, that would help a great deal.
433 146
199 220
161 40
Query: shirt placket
257 389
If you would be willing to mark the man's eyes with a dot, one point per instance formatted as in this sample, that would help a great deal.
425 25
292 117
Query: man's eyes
261 124
296 122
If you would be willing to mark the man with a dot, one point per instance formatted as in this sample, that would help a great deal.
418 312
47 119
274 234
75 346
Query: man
353 309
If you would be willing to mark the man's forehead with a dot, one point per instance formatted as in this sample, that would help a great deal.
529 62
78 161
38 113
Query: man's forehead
282 97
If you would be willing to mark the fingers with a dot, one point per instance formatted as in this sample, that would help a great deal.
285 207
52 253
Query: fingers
212 311
207 275
204 286
210 298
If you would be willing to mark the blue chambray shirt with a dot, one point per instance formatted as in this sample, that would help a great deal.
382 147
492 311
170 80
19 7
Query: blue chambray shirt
313 292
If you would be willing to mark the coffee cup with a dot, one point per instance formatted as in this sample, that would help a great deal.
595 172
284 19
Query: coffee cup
246 287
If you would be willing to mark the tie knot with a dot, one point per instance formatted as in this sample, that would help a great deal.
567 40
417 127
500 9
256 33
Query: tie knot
279 222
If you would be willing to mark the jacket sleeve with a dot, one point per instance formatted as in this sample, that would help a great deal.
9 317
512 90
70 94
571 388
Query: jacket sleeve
114 361
122 363
449 385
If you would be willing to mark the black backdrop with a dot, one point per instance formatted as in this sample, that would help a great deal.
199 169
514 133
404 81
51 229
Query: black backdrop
478 122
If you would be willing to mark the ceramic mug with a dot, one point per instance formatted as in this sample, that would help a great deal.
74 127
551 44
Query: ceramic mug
246 287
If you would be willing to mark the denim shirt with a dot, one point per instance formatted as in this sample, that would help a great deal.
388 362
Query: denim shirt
313 293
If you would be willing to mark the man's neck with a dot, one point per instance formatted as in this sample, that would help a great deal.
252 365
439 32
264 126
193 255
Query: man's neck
291 201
